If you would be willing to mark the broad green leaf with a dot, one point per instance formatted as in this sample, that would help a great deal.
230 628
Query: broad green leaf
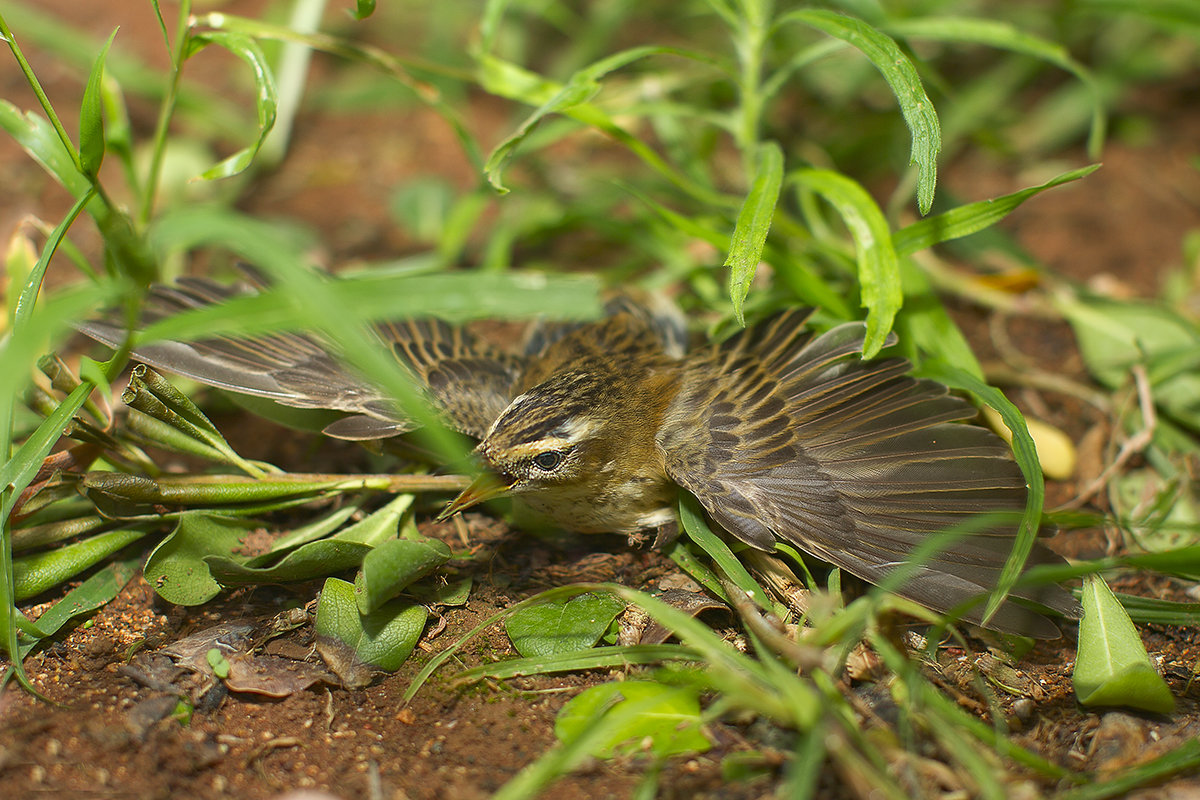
319 528
266 100
34 574
392 566
1114 336
382 639
379 526
91 119
176 568
905 84
636 711
569 626
342 314
753 224
312 560
1112 667
878 264
367 298
437 593
506 79
973 217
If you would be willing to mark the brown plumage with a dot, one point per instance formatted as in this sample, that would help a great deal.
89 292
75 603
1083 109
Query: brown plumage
780 434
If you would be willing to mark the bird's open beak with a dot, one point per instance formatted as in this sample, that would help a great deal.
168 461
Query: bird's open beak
484 488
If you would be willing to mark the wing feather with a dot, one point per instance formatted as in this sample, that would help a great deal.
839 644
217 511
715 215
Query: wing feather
471 383
855 462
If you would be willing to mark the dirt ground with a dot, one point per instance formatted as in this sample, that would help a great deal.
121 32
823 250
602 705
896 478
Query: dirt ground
104 733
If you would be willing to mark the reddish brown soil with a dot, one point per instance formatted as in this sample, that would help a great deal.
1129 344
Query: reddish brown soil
93 738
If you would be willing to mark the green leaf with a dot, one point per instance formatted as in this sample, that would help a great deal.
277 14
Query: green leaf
37 573
691 516
177 569
319 528
220 665
753 224
364 8
91 120
1112 667
266 100
633 712
878 264
379 526
382 639
925 326
1002 35
514 82
558 627
576 92
392 566
974 217
1162 513
905 84
155 396
1114 336
306 562
616 657
121 490
1161 612
98 590
437 593
1025 453
41 142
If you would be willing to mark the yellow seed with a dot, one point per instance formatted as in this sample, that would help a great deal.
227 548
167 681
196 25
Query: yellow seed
1056 451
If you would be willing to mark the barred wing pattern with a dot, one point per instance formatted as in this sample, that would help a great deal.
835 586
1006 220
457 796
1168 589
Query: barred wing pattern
470 382
854 462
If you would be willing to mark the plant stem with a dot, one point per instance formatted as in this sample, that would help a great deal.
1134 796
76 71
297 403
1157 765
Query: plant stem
34 84
166 111
749 41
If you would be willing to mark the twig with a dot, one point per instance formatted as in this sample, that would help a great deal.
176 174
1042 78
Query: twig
1132 446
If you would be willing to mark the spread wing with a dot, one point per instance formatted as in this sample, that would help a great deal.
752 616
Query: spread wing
854 462
469 382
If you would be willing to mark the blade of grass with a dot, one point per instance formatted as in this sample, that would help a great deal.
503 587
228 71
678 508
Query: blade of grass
898 70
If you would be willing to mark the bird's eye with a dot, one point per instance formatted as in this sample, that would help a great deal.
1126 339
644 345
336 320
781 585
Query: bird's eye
548 461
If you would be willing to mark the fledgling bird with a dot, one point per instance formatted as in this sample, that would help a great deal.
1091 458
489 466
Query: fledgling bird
781 434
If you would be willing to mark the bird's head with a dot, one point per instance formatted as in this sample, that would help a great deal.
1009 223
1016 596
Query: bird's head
551 438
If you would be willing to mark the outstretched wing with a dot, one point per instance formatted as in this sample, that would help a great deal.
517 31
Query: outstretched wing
466 380
854 462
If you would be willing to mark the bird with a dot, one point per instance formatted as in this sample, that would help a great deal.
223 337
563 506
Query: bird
782 433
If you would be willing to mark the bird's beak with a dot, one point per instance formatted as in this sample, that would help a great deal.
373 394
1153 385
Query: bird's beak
484 488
